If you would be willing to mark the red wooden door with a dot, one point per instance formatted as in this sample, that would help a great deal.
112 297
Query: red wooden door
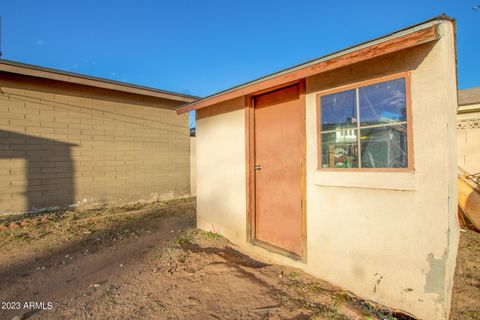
279 155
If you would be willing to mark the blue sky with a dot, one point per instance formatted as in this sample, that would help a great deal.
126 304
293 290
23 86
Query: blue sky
201 47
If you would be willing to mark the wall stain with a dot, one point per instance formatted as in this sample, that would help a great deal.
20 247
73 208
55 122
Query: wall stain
435 277
377 283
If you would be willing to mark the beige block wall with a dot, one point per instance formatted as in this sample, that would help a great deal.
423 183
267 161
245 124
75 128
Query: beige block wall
468 138
193 167
66 144
391 238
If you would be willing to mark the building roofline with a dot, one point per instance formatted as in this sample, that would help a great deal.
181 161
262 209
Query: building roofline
77 78
214 98
470 96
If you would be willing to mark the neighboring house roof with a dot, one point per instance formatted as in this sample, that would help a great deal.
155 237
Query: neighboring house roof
469 96
76 78
406 38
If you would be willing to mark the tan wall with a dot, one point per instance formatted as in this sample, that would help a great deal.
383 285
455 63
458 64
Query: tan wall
395 236
220 142
193 167
66 144
388 237
468 137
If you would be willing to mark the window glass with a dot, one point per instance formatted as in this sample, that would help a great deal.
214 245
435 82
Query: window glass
376 137
384 147
383 103
339 110
340 149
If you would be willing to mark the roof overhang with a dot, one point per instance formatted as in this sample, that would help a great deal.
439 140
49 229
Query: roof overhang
403 39
468 97
75 78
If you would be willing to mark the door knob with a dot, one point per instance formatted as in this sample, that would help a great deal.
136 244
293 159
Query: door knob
258 167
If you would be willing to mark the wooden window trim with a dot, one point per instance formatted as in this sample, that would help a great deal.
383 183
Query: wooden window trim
403 75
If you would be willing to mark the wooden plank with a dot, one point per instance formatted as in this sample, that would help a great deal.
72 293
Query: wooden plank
275 249
469 201
303 103
250 162
407 41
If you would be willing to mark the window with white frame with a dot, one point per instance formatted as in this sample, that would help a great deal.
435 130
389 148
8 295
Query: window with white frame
365 127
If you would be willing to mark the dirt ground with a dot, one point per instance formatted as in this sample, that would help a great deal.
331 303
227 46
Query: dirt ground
466 292
147 261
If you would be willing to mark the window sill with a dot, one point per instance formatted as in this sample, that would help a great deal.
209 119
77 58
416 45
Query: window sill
403 181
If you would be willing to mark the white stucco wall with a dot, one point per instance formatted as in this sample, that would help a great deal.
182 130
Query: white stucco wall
397 247
388 237
221 181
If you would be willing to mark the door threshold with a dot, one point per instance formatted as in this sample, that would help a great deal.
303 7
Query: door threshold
273 248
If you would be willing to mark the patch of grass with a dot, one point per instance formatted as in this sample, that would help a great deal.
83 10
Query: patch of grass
205 235
322 312
97 210
374 311
211 235
293 276
313 287
303 291
339 298
75 216
471 314
185 238
183 257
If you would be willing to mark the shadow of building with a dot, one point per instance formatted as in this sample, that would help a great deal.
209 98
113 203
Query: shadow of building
44 179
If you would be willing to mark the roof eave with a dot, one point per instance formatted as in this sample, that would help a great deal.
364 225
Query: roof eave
406 38
76 78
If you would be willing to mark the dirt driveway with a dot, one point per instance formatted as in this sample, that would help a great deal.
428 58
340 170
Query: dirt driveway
149 262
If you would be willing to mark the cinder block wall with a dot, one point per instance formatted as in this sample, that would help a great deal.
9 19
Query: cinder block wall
193 167
64 144
468 139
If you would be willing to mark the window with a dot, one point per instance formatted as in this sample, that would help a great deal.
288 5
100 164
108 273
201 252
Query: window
365 127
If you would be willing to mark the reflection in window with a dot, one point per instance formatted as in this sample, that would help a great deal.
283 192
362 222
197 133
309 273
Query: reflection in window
378 139
383 103
384 147
340 149
339 110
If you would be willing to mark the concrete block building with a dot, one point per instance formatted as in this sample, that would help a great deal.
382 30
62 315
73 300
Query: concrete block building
469 130
68 139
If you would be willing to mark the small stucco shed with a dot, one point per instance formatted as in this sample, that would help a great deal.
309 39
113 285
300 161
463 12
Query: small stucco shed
344 166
